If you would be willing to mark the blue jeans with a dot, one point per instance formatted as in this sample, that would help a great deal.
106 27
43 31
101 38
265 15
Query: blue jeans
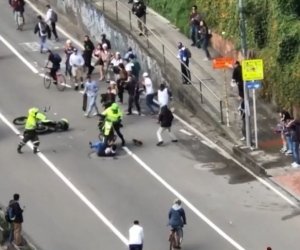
11 232
43 42
289 143
296 151
204 45
92 104
194 32
150 102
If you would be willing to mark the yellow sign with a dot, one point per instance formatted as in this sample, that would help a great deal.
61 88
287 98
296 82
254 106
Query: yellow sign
253 70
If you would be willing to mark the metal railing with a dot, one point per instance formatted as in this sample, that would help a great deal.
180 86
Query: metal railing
115 6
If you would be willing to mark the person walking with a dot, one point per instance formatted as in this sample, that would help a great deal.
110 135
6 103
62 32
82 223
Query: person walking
104 40
136 236
165 120
163 95
147 82
91 90
195 18
51 17
294 126
18 12
17 219
69 49
108 98
123 77
132 87
184 57
76 62
204 40
43 30
30 134
88 54
139 9
237 78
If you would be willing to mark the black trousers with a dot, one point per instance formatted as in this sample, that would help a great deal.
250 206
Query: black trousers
133 99
53 73
68 69
30 135
136 247
118 132
87 64
186 74
53 29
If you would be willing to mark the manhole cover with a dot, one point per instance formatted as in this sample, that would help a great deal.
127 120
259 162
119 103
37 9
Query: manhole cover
210 165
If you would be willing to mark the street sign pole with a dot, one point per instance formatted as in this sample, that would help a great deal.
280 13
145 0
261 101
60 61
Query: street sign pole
226 97
244 52
255 117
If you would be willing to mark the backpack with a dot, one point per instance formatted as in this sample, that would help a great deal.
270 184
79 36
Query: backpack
9 213
57 58
189 54
43 28
53 17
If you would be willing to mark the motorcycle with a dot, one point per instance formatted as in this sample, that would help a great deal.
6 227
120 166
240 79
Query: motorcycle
107 126
44 125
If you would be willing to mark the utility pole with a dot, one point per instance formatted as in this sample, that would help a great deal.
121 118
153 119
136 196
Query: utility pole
246 91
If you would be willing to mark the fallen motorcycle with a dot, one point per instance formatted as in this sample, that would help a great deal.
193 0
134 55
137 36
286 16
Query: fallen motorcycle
44 125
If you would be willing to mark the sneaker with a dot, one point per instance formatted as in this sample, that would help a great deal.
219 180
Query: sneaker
76 87
36 150
86 115
160 143
19 150
243 139
96 114
283 150
129 113
288 152
295 165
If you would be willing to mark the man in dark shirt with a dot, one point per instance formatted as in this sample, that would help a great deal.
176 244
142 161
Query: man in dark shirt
139 9
17 219
238 78
55 59
195 18
132 87
104 40
108 98
88 54
294 126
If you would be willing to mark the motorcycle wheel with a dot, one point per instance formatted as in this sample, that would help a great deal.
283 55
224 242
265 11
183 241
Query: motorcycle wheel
20 120
42 129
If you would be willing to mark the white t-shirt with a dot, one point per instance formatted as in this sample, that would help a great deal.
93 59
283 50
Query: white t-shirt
116 62
136 235
128 66
163 97
149 86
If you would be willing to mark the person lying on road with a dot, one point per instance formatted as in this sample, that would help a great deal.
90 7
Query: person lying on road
102 149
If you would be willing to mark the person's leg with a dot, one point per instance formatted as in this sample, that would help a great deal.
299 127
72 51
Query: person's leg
137 104
174 139
53 25
118 132
296 152
90 106
140 26
149 102
95 105
158 133
101 71
188 73
11 232
290 145
17 234
75 77
284 144
35 141
244 128
22 143
184 73
193 35
53 75
205 48
130 102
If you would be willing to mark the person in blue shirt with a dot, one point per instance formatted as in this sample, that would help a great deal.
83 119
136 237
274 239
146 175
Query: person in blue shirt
183 55
177 220
103 149
91 90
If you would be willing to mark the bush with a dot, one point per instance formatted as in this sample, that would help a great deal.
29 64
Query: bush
273 34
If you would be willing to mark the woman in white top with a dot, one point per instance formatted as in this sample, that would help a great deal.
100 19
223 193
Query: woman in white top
116 61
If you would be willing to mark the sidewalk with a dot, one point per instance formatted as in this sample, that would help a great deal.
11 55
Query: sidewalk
268 159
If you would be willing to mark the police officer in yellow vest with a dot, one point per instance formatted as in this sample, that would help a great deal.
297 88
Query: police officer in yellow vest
30 133
113 115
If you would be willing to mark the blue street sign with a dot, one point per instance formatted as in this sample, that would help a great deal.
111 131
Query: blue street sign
253 84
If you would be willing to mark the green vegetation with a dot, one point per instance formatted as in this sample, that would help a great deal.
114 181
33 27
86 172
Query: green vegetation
273 34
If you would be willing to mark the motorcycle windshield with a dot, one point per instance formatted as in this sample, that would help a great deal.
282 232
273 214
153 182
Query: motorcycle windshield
41 116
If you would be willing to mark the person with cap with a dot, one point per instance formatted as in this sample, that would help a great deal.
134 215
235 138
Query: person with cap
88 54
177 219
104 40
183 55
51 17
108 98
113 114
147 82
69 48
77 62
43 30
91 90
30 133
132 87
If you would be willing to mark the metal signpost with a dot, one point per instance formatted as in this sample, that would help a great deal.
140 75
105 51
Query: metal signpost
253 71
254 85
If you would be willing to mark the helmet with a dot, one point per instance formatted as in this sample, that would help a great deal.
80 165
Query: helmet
114 107
33 111
177 201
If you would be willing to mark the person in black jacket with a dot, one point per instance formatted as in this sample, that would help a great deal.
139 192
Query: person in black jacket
165 119
104 40
238 79
108 98
132 87
88 54
17 219
139 9
43 30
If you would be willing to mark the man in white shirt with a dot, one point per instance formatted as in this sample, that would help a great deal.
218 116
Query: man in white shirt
51 17
147 82
115 62
136 236
163 96
128 65
76 62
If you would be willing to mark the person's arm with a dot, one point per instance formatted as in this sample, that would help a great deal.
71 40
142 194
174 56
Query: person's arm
81 61
160 117
170 214
48 16
36 28
47 63
183 216
85 88
71 61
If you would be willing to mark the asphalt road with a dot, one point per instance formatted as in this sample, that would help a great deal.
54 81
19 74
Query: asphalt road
123 189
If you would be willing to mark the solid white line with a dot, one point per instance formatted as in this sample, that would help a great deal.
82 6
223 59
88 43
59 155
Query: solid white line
70 185
7 44
186 202
185 132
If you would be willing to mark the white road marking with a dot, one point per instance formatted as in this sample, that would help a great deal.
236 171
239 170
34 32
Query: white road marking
183 199
185 132
69 184
8 45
